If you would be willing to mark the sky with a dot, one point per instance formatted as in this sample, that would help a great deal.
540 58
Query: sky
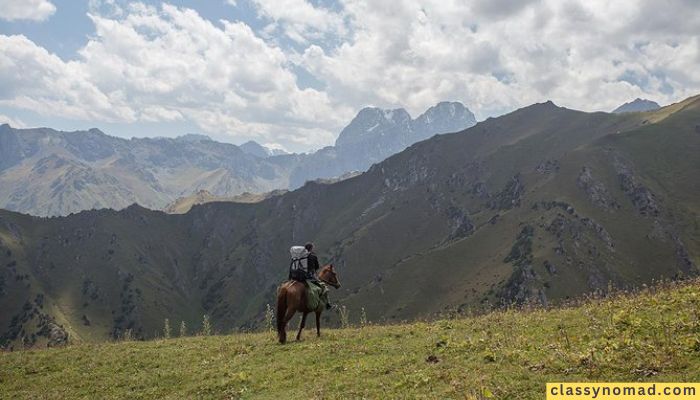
292 73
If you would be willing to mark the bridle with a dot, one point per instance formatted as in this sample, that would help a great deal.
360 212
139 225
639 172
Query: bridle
335 285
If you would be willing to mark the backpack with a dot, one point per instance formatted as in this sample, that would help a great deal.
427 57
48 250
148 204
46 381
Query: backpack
298 267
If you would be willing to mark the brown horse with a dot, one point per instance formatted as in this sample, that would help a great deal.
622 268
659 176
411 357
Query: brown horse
291 297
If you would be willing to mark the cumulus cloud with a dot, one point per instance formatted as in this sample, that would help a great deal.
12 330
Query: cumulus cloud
34 79
300 20
35 10
146 63
496 56
169 64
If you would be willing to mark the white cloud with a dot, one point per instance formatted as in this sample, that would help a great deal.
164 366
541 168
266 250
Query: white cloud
169 64
502 55
34 79
35 10
13 122
147 63
300 20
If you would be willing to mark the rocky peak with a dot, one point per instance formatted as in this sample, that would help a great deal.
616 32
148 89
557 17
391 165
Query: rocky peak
372 121
444 117
256 149
637 105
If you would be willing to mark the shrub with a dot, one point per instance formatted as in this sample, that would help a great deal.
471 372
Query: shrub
166 329
344 317
183 329
269 318
206 326
363 318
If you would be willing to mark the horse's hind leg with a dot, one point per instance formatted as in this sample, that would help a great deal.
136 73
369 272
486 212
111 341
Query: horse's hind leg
301 325
287 316
318 323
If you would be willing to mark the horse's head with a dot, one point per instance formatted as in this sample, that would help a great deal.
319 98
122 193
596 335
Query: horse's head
329 276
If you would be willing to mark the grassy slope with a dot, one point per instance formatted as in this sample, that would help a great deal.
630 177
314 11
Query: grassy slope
651 336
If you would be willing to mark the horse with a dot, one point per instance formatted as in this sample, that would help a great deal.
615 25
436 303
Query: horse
291 298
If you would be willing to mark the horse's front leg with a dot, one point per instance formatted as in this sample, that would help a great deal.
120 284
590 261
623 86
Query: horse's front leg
301 325
318 323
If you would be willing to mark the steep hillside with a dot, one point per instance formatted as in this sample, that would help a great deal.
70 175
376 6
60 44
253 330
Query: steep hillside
540 205
647 337
48 173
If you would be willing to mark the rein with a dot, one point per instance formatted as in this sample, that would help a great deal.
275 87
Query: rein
326 282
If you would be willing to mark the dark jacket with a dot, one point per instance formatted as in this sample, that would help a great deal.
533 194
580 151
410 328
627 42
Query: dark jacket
312 265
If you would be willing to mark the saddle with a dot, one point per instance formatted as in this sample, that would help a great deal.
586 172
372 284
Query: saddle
314 293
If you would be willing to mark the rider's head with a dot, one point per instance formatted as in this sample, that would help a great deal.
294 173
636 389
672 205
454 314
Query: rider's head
309 246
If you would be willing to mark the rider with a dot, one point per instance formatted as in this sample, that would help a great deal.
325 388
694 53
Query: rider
312 267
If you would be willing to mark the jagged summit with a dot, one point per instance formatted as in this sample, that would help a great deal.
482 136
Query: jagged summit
445 117
375 134
372 122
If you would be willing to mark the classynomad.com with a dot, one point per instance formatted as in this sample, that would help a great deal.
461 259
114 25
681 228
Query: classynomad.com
623 391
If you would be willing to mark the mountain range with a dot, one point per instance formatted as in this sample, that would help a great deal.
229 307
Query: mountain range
539 205
46 172
374 134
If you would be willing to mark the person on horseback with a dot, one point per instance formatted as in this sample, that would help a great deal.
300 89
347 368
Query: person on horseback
312 267
293 295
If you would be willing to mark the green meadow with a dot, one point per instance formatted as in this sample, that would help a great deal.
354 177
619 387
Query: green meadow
649 335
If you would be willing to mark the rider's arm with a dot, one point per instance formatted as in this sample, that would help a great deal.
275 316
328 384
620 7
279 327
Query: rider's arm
313 263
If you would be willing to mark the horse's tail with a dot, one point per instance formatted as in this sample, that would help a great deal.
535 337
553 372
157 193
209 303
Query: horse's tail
281 313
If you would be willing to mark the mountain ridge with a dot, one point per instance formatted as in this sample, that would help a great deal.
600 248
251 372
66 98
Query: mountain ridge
156 171
542 204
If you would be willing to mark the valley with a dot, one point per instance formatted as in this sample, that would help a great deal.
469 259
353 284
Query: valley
540 205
